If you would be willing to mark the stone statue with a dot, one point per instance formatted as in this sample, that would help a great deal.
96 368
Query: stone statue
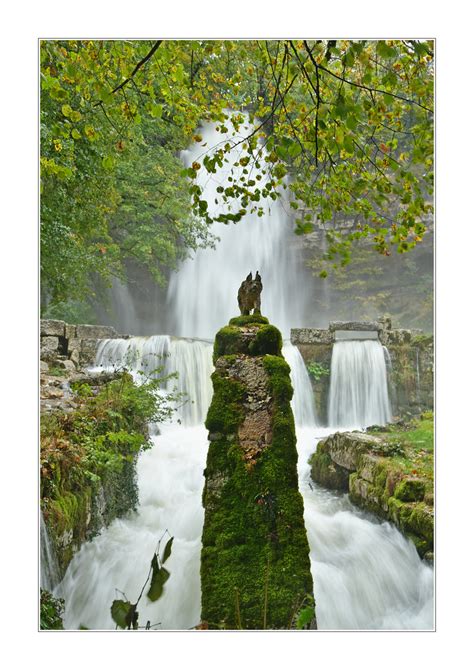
248 296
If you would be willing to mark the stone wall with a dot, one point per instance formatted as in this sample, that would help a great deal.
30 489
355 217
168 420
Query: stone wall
409 363
77 343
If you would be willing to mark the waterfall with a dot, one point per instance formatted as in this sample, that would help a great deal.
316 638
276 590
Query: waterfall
49 568
170 481
203 294
302 402
358 394
161 355
366 575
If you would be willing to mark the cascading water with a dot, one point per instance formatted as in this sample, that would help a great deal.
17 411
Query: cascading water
358 394
170 481
50 574
302 403
366 575
203 294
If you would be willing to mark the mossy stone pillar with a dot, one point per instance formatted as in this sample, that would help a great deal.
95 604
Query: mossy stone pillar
255 566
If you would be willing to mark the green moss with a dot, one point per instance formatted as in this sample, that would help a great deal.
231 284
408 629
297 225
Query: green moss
394 508
420 522
279 378
267 340
410 490
255 548
228 341
225 411
327 473
245 320
422 546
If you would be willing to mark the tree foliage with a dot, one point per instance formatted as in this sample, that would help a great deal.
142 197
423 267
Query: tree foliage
343 126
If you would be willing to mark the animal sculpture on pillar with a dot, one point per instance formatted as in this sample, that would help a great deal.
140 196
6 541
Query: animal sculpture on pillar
248 296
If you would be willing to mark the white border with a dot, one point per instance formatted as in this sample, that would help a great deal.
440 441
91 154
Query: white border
22 25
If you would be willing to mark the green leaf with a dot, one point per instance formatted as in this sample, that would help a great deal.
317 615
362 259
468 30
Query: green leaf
167 551
351 122
156 111
76 134
158 579
66 110
294 149
122 612
305 616
108 163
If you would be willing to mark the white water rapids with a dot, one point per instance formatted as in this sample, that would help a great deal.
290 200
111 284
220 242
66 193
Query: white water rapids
366 575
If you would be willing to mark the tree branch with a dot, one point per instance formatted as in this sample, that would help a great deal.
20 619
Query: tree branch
372 90
139 65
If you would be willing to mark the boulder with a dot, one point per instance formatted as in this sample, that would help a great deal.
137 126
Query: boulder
67 365
345 449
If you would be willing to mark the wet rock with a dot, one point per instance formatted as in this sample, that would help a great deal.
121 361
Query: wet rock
359 463
88 351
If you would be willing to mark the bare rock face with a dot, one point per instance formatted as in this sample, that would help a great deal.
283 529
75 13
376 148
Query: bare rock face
255 549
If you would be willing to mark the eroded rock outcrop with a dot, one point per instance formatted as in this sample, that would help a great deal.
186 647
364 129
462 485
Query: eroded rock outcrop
255 567
364 466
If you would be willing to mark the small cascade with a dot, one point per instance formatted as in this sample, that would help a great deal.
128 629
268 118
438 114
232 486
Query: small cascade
142 356
161 355
302 403
192 361
49 568
358 394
